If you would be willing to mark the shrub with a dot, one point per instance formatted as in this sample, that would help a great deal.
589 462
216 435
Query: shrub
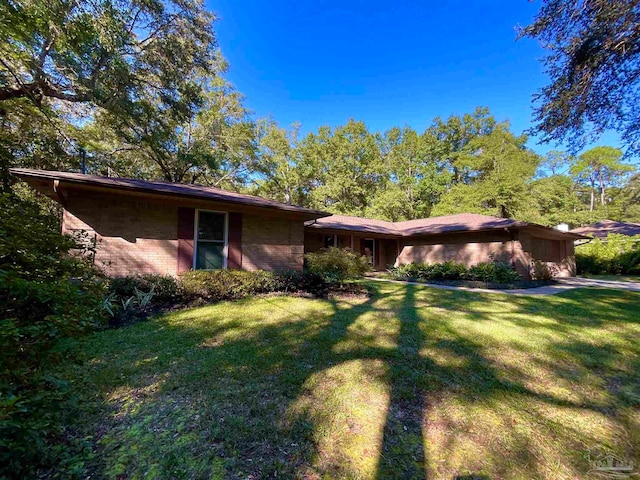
482 272
496 272
505 273
448 271
541 270
46 295
294 281
165 287
409 271
216 285
618 254
132 297
336 265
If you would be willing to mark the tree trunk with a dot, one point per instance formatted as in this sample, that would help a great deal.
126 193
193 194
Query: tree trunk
602 188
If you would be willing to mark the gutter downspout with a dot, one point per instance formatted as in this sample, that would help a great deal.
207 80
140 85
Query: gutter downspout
59 194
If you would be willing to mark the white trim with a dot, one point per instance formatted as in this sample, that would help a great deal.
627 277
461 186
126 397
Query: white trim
225 249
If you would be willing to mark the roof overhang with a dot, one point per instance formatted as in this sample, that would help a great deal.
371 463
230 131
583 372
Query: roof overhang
429 231
54 185
553 233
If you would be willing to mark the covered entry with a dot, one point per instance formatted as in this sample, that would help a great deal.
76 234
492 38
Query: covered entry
381 252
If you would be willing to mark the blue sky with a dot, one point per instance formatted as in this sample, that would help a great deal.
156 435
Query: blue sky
386 63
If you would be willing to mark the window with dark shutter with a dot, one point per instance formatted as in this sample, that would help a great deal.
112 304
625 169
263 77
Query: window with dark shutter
211 240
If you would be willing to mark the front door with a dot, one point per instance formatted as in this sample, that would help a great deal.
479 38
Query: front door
369 250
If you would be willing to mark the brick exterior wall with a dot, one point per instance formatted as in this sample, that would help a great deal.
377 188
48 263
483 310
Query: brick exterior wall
271 243
518 248
559 255
134 235
139 235
467 248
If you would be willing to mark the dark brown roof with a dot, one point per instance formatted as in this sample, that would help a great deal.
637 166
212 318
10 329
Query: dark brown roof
355 224
463 222
605 227
167 188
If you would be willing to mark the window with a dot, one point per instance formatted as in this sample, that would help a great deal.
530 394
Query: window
211 240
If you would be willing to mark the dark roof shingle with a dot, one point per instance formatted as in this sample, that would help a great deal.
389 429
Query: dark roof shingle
462 222
168 188
605 227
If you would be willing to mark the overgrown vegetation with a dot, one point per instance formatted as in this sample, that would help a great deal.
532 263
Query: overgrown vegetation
45 295
617 254
500 273
411 382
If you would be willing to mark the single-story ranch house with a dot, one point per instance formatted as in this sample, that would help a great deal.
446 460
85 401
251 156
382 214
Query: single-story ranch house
160 227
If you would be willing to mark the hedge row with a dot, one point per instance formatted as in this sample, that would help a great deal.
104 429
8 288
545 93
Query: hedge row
133 296
494 272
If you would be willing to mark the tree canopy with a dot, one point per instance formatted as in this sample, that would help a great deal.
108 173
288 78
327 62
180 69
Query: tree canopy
593 61
139 89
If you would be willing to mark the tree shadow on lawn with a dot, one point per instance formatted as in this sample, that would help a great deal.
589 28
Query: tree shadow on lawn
397 386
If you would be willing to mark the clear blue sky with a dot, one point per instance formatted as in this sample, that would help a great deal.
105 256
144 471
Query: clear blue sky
386 63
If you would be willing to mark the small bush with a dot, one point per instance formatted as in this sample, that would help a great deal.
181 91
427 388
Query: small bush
448 271
617 254
336 265
541 271
309 282
492 272
165 287
482 272
216 285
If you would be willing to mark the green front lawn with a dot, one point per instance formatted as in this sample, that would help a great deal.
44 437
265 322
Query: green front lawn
411 380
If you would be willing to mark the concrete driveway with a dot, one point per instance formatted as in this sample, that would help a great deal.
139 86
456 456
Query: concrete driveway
563 284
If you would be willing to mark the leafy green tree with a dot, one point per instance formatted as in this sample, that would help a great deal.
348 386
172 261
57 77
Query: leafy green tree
628 200
415 176
599 168
214 145
64 62
555 162
343 167
592 63
29 138
277 165
454 140
103 53
556 200
497 174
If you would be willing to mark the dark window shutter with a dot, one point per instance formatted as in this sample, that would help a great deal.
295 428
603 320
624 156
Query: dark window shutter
234 258
186 219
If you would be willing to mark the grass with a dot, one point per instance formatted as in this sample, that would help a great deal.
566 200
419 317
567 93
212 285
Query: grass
618 278
412 382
